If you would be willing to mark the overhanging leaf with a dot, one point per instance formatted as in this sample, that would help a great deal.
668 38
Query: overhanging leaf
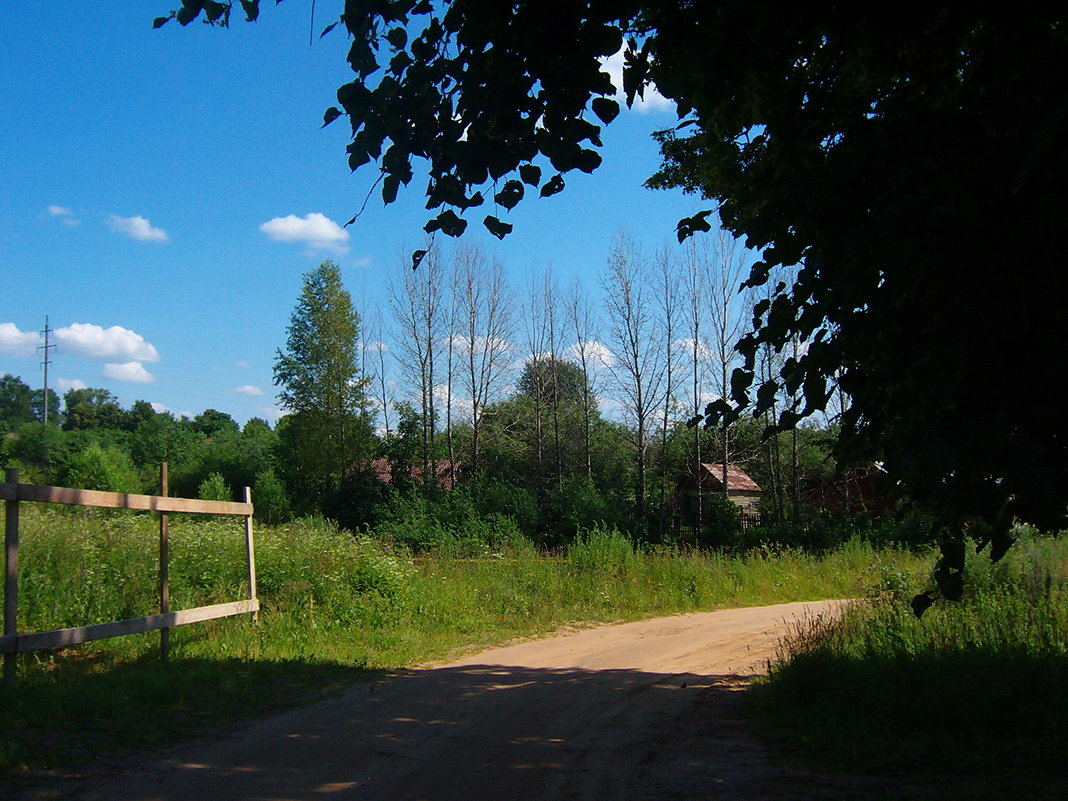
553 185
530 174
605 109
921 603
496 227
330 115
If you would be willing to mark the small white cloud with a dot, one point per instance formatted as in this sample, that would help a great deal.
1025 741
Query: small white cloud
376 346
18 343
653 101
65 213
137 228
597 354
241 364
363 261
93 342
159 408
132 372
248 389
315 230
65 384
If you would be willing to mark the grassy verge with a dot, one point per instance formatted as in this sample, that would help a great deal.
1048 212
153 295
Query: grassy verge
336 609
974 690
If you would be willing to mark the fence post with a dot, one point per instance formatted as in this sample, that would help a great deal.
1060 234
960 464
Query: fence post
251 557
164 570
11 574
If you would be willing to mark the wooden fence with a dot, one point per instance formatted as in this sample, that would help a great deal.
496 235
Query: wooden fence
13 493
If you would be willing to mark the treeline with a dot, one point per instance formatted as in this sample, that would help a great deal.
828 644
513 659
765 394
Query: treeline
538 407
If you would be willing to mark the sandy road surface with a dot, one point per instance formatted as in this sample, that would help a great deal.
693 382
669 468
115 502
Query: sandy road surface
634 711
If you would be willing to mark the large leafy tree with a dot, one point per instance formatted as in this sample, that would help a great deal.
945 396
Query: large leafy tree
908 163
327 433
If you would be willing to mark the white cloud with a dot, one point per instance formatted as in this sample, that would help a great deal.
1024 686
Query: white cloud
132 372
93 342
653 100
597 354
65 213
248 389
19 343
482 345
461 406
137 228
315 230
375 346
159 408
65 384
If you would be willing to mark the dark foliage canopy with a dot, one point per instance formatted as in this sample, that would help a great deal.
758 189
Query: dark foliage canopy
906 162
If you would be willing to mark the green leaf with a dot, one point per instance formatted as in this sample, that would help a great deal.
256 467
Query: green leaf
951 585
553 185
159 22
687 226
398 37
330 115
1002 541
953 554
605 109
588 160
496 227
448 223
252 9
530 174
390 185
511 193
417 258
327 29
921 603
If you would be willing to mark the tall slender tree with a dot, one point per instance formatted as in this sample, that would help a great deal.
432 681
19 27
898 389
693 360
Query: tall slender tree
639 369
328 432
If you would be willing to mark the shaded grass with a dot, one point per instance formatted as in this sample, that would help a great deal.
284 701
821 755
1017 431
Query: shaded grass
336 608
975 689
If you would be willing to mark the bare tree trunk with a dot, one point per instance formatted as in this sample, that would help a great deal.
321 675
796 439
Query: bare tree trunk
417 309
586 351
485 309
668 280
639 367
536 342
695 293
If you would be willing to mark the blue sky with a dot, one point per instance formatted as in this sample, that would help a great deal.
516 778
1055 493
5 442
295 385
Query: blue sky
142 171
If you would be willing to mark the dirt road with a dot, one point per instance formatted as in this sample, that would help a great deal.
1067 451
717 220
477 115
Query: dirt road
635 711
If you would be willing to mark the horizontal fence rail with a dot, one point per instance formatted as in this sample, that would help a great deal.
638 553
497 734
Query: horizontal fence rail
12 492
60 638
119 500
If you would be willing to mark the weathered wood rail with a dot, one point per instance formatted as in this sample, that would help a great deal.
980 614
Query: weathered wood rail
13 493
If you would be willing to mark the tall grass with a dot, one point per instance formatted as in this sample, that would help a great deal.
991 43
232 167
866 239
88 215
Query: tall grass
979 686
335 608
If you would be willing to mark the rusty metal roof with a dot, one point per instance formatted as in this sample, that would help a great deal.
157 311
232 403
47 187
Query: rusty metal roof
712 474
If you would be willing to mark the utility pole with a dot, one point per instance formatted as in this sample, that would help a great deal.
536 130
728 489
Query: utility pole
44 363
